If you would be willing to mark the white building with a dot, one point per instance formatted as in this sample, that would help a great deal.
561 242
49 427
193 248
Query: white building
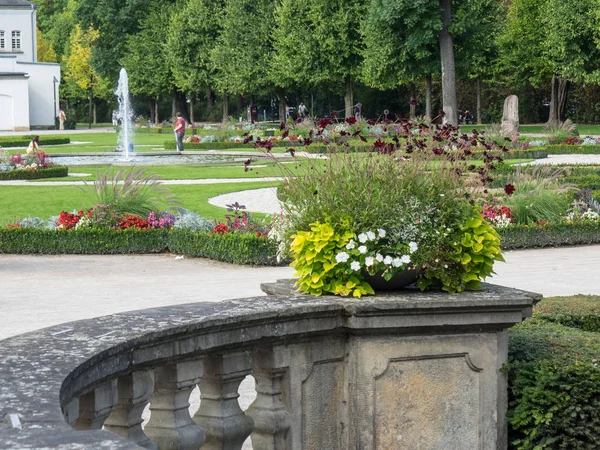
28 89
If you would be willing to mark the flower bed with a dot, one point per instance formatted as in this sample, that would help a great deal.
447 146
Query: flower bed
27 167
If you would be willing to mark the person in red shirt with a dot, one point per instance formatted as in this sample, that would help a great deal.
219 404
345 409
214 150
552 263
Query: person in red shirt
179 131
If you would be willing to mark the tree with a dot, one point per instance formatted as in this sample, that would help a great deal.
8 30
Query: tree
401 45
192 35
243 49
318 42
45 52
78 64
155 78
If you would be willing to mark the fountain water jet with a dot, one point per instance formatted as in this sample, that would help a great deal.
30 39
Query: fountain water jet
125 139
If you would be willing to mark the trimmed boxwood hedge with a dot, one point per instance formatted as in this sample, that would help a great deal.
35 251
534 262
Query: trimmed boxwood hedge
234 248
554 377
550 235
571 149
12 142
24 174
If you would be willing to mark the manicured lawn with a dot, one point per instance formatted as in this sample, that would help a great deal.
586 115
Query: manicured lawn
536 129
27 201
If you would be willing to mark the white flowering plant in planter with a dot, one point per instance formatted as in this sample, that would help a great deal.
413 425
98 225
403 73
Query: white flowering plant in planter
350 216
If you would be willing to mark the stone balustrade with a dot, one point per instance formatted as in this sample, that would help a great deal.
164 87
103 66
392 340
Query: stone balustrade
402 370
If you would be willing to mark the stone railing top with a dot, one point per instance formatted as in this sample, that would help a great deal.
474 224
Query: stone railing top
42 371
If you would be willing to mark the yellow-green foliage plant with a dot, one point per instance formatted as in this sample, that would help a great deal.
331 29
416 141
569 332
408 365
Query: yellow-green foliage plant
475 249
316 266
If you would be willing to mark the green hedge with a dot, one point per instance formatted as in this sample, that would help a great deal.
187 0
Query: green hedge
93 242
550 235
578 311
554 387
583 181
13 142
24 174
231 247
571 149
235 248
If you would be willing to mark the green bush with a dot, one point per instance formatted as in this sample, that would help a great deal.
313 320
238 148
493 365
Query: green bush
578 311
571 149
549 235
70 124
234 248
554 387
24 174
583 181
24 141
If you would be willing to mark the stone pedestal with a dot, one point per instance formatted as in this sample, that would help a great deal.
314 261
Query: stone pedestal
416 370
510 116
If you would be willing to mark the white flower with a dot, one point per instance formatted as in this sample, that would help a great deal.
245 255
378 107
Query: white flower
355 265
369 261
342 257
362 249
413 246
396 262
370 235
362 238
442 195
381 232
387 260
379 257
350 245
445 266
405 259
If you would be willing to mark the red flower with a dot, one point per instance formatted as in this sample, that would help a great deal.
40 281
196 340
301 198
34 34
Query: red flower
509 189
220 228
324 122
350 120
67 220
133 221
414 102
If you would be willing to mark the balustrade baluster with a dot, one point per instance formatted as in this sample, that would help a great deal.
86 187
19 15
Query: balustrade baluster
271 419
95 406
226 425
170 425
134 392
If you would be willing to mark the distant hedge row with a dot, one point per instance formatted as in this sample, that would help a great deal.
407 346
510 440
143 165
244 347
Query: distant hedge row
24 174
44 140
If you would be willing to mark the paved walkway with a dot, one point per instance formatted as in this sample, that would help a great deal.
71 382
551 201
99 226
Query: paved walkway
40 291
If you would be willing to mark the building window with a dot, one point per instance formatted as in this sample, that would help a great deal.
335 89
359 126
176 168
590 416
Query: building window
2 41
16 40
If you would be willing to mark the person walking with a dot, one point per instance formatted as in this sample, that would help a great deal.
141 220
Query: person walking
115 119
61 119
179 130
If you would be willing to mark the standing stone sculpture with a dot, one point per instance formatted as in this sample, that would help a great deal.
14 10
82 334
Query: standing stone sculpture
510 116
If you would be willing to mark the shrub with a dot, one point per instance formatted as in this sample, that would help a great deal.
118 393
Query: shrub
579 311
25 174
549 235
554 387
25 140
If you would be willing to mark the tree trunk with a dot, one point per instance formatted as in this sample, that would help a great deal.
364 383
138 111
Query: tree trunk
179 104
94 113
209 98
225 107
428 96
192 118
349 97
449 104
240 105
152 117
90 107
156 118
553 116
413 99
563 89
282 104
479 100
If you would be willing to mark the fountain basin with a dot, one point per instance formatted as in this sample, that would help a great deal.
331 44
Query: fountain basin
93 159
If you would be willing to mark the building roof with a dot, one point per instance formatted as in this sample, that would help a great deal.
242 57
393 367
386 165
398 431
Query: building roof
17 4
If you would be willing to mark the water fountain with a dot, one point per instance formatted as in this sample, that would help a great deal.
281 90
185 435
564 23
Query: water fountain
125 138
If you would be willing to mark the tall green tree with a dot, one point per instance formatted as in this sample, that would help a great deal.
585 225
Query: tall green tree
243 49
192 35
318 42
150 77
401 45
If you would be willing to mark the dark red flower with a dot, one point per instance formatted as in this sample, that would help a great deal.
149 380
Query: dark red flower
324 122
509 189
350 120
414 102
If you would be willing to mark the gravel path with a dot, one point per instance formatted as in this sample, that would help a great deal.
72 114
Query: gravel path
567 159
